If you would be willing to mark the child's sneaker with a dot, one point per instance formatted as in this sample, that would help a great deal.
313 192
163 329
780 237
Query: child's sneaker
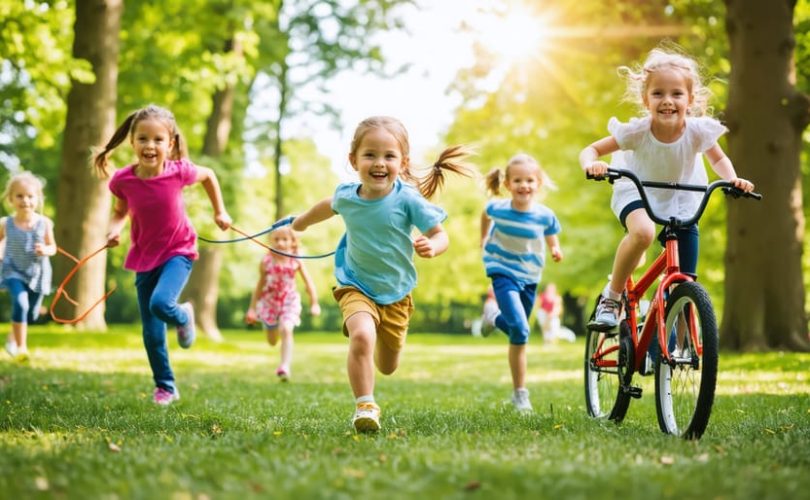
607 314
11 348
282 374
162 397
491 312
186 333
366 417
520 400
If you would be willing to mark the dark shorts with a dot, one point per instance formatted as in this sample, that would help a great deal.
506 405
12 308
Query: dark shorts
688 240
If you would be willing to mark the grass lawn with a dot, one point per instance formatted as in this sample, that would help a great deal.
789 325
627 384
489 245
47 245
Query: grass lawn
78 422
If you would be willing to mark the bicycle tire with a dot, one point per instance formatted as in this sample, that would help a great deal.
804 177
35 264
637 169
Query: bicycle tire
604 397
684 389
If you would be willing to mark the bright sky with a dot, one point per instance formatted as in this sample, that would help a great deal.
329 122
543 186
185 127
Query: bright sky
436 49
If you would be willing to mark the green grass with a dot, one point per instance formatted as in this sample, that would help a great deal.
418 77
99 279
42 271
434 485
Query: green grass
78 422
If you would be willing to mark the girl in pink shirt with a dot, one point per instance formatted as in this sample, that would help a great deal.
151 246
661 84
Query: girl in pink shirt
163 239
276 301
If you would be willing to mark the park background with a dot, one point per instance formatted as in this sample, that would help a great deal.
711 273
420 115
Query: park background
268 94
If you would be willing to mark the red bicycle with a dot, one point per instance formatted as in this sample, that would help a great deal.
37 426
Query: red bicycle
680 318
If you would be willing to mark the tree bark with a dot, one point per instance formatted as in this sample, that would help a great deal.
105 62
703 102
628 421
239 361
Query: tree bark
203 284
83 200
764 286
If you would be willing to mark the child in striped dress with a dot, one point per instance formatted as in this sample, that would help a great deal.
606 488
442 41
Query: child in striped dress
514 236
29 241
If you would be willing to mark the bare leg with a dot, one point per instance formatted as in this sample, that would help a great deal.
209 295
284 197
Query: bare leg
360 362
517 364
286 332
386 359
272 336
19 332
639 237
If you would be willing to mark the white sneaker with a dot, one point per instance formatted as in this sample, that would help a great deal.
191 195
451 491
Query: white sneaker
366 417
11 348
491 312
520 400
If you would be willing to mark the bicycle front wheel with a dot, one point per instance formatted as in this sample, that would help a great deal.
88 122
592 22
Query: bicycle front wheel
685 386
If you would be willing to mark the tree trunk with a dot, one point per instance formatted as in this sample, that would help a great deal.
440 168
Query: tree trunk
203 284
283 89
82 200
764 286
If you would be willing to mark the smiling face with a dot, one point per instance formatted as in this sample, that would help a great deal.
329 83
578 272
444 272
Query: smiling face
152 141
523 182
667 97
25 197
283 239
378 160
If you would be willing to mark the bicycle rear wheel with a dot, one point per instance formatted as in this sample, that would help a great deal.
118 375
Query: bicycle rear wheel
684 387
606 367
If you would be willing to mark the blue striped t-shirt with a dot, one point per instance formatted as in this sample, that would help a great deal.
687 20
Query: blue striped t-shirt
515 245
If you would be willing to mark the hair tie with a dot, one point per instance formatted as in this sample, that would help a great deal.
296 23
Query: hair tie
437 168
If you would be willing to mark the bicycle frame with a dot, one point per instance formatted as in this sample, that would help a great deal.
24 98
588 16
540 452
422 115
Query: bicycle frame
667 264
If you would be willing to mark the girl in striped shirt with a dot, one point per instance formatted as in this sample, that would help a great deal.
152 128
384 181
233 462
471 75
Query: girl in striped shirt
29 241
514 236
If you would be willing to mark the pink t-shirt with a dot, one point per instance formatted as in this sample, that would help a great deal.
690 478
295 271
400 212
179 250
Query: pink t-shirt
160 228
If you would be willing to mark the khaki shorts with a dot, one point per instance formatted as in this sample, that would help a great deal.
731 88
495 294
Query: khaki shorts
391 320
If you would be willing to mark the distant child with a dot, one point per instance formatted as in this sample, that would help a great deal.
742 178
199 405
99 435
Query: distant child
663 145
276 301
374 260
549 315
26 271
514 236
164 243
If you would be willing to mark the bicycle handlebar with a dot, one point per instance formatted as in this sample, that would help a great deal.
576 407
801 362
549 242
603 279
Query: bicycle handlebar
726 186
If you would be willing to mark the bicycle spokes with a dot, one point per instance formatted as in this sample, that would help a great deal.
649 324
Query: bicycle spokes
685 382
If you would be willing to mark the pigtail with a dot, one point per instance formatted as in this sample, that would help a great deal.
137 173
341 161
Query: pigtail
180 149
100 160
492 181
451 159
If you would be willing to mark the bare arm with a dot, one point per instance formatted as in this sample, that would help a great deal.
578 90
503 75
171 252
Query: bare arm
317 213
589 157
722 165
485 224
48 247
211 185
250 315
314 307
117 221
554 247
432 243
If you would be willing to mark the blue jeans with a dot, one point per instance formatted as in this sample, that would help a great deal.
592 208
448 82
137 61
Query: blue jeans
515 302
158 291
25 303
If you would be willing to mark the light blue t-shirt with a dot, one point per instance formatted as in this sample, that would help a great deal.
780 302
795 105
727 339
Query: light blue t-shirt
515 245
376 253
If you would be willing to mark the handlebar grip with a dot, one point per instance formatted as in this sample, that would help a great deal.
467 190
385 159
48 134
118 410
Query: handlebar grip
609 176
736 193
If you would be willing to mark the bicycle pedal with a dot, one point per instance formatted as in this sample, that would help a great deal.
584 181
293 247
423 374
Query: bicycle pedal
632 391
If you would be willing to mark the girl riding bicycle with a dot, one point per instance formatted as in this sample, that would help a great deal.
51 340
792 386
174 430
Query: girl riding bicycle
664 144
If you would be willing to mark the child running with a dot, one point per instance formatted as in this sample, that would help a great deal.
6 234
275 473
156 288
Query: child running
163 245
276 301
663 145
26 271
514 236
374 260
